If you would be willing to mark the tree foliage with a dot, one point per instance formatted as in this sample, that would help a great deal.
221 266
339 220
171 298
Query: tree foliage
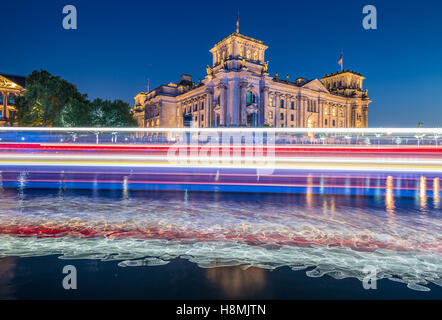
50 101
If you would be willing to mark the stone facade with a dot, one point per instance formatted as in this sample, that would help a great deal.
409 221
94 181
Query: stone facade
238 92
10 87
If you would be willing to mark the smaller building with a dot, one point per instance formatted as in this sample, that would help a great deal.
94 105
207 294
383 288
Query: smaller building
11 86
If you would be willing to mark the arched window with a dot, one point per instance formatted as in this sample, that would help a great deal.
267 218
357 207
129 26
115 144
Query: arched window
250 98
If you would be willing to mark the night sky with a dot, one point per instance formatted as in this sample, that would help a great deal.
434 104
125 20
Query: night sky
119 44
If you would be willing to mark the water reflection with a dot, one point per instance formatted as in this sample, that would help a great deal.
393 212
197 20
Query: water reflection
436 190
389 197
423 192
338 235
236 282
7 273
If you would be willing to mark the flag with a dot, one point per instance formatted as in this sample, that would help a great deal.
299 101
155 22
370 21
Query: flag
237 23
340 62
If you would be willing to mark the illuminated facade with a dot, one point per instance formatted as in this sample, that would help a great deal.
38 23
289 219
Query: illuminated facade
10 87
238 92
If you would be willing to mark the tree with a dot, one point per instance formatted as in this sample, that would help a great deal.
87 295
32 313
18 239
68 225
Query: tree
106 113
75 114
51 101
44 99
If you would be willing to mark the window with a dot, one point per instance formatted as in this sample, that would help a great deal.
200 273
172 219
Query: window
281 103
309 123
1 99
195 107
11 100
334 112
255 55
270 115
271 101
341 113
196 118
281 116
249 54
292 105
325 121
333 123
202 117
250 98
326 111
292 117
202 106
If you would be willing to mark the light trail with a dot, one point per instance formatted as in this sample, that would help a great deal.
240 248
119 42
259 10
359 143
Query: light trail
385 131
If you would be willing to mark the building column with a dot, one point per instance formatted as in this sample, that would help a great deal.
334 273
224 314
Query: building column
242 103
265 102
277 110
222 103
5 104
365 116
208 108
301 112
348 116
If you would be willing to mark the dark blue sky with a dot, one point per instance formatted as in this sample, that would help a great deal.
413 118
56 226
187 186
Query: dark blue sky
119 44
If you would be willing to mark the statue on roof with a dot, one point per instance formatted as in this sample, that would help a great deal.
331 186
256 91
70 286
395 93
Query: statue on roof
265 68
223 63
243 63
209 71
